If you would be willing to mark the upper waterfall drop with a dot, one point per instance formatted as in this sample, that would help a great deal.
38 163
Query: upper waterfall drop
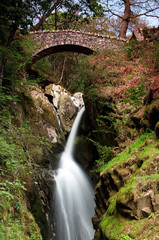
70 142
74 195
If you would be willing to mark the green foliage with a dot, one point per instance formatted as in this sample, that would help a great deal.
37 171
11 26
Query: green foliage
125 237
128 50
153 177
15 228
19 149
69 15
106 226
134 95
14 15
95 71
105 154
136 49
16 56
152 226
129 151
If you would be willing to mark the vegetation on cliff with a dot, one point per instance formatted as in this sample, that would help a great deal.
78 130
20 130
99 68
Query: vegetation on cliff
121 90
22 149
19 151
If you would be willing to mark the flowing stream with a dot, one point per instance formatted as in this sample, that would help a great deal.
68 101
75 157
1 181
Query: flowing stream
74 195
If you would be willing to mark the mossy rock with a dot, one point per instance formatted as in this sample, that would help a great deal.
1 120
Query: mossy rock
129 189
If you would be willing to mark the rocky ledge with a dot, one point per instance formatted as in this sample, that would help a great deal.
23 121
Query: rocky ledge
127 196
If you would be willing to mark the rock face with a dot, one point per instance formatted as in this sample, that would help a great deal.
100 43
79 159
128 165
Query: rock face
151 114
128 194
148 115
67 112
67 105
149 34
42 115
51 115
138 34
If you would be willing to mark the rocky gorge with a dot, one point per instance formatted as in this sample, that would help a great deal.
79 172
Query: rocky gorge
126 195
117 145
51 114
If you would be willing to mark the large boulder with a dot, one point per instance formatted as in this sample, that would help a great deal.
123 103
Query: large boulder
67 112
67 105
138 34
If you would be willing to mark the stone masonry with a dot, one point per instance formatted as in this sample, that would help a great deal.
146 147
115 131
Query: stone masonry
49 42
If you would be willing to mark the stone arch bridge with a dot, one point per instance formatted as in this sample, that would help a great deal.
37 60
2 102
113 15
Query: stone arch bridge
49 42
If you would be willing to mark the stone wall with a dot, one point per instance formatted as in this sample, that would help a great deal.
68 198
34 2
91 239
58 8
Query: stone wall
68 40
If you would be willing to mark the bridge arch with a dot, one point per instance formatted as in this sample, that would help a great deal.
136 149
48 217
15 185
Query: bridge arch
61 48
50 42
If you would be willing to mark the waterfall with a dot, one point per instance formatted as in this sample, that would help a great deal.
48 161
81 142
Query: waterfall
74 195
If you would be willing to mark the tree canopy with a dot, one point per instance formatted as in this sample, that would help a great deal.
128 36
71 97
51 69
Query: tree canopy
128 10
70 10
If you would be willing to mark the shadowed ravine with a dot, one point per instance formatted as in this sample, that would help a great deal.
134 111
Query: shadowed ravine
74 195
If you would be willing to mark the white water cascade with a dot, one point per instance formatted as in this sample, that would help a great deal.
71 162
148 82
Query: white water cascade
74 195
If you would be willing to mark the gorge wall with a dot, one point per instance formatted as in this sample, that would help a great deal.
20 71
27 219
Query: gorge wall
126 196
51 114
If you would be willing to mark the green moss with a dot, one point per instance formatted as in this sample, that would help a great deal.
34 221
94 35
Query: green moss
149 151
125 237
129 151
152 177
19 225
112 227
136 227
116 227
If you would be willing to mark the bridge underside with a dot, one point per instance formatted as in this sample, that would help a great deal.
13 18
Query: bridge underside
62 48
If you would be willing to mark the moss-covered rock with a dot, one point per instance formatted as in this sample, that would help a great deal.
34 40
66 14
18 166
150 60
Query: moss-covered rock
42 115
127 194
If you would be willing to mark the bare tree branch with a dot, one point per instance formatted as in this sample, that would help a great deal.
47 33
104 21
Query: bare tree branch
145 13
113 13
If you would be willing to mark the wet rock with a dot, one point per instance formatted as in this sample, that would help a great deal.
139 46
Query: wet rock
137 118
157 130
67 112
56 91
44 200
152 113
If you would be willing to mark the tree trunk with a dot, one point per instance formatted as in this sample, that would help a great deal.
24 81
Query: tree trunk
55 18
4 62
125 19
45 16
4 58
